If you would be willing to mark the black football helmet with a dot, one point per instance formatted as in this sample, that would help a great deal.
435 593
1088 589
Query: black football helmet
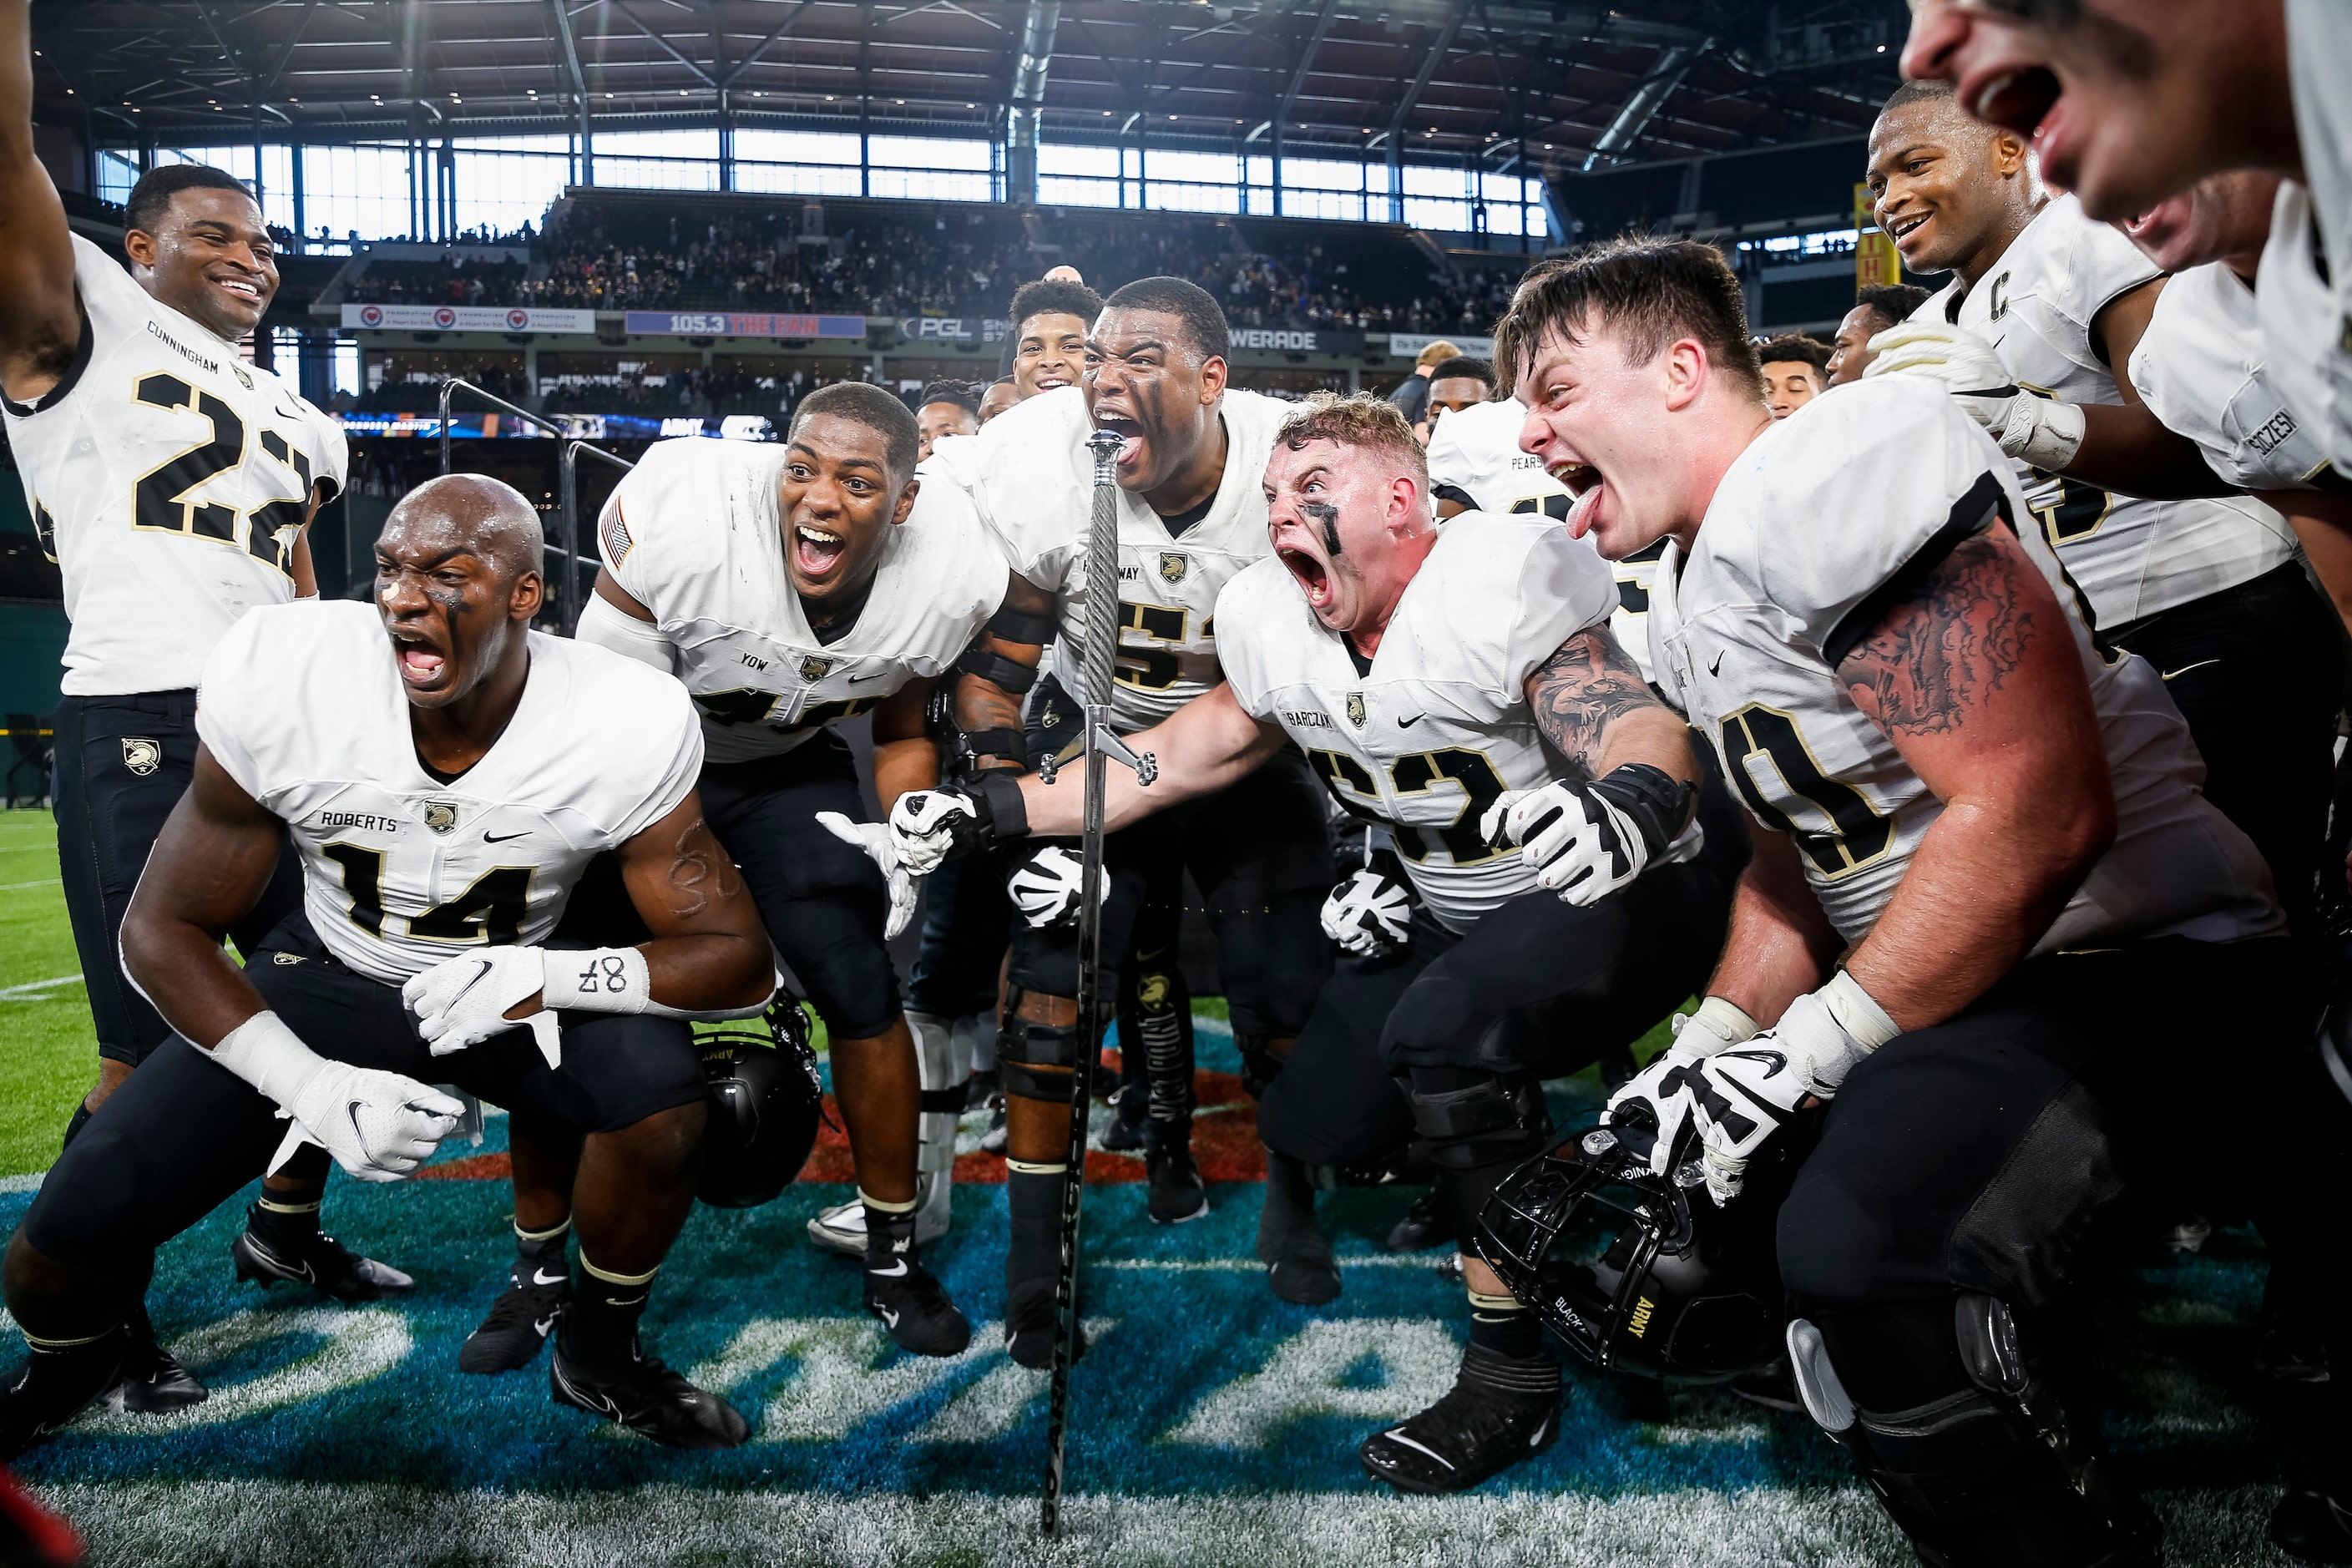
1644 1272
766 1101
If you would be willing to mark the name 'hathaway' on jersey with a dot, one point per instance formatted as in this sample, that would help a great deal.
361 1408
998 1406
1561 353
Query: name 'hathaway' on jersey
169 481
401 870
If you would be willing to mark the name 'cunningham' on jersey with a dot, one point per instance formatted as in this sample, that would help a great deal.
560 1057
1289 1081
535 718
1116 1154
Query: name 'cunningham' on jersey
694 533
168 480
1439 727
302 705
1874 482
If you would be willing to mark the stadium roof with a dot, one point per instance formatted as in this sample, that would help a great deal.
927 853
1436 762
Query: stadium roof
1441 80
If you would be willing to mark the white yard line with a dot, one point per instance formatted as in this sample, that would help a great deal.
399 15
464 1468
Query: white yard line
44 882
36 987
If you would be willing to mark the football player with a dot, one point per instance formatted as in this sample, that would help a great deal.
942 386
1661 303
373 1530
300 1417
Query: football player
1876 309
2129 102
1462 689
2043 302
944 408
2199 367
1001 393
790 587
446 774
1989 919
1455 385
173 484
1192 514
1050 318
1796 371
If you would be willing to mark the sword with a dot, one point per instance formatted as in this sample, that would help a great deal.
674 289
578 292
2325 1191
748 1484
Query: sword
1101 747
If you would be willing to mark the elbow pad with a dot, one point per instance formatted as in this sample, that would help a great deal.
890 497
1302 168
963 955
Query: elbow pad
606 624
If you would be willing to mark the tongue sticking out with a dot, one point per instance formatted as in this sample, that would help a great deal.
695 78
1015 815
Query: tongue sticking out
816 556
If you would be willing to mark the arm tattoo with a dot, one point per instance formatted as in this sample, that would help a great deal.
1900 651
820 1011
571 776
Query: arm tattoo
1578 691
1942 652
699 868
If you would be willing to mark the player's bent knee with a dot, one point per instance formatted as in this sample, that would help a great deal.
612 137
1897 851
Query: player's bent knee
1035 1060
1472 1118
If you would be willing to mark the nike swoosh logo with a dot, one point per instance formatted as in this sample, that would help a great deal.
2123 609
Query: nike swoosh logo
1409 724
2186 667
875 675
1717 668
544 1324
1398 1433
502 837
482 967
897 1269
542 1277
890 1318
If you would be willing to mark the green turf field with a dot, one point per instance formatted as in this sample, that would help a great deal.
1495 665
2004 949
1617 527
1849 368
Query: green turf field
48 1055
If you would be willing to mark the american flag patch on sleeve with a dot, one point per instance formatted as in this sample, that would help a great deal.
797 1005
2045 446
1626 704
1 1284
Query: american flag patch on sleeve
617 541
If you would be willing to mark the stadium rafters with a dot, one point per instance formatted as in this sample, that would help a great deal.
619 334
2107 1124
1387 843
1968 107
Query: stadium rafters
1464 82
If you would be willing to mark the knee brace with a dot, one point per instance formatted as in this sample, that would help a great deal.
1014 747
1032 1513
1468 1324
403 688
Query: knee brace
940 1069
1470 1118
1023 1047
1993 1470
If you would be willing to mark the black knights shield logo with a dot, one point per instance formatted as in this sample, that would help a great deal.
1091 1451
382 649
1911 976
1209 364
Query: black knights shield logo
814 670
1172 567
1356 709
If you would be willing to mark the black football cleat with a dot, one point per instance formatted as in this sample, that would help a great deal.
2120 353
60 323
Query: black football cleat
1130 1109
1298 1258
55 1385
647 1397
2313 1526
1029 1327
915 1308
153 1381
520 1321
1499 1411
268 1252
1426 1225
1177 1192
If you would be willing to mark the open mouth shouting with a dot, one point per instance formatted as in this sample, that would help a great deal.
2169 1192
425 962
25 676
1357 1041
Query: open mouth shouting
1313 578
1584 482
1130 434
816 551
422 665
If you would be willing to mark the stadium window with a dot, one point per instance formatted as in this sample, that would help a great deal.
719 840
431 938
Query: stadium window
795 162
658 160
117 173
1073 176
277 170
362 188
505 182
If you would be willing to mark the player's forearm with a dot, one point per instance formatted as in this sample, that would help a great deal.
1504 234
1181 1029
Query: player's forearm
1779 945
183 970
982 707
911 762
2128 450
1650 735
1058 810
713 971
1987 880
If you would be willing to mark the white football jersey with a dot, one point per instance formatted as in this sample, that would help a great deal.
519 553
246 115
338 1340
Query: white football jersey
2132 557
2309 325
169 481
2199 368
1793 564
1032 479
695 533
1425 739
401 870
1474 461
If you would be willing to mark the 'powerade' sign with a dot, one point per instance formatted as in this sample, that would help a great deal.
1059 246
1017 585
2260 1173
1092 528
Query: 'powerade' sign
1300 340
740 324
468 319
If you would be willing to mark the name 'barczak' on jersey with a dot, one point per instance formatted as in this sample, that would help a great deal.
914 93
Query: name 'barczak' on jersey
1873 484
169 481
694 534
1474 461
1032 479
2132 557
1425 738
402 870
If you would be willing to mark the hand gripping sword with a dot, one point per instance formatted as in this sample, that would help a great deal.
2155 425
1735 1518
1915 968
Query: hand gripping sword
1100 749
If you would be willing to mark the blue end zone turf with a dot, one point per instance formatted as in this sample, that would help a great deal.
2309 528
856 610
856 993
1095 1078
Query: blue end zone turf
1213 1424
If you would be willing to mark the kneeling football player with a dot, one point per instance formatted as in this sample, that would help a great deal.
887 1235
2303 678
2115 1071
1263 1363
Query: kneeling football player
445 776
1461 689
791 587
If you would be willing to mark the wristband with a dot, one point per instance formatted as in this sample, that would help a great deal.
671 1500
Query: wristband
1724 1021
998 791
599 980
1857 1012
271 1057
1653 798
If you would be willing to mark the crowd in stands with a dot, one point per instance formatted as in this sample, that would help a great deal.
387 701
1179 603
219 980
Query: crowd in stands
616 257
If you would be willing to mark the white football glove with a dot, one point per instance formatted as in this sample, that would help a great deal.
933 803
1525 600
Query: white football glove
1661 1090
881 846
378 1125
1044 887
1580 844
1370 914
1744 1093
927 825
2040 431
461 1002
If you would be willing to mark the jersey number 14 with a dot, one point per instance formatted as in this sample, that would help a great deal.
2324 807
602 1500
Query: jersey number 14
488 913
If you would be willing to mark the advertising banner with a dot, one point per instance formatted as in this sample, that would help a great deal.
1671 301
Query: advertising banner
576 427
1300 340
953 330
741 324
1409 344
468 319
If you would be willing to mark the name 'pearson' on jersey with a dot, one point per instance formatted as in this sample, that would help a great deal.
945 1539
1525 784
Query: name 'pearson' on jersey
169 481
401 870
694 534
1031 476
